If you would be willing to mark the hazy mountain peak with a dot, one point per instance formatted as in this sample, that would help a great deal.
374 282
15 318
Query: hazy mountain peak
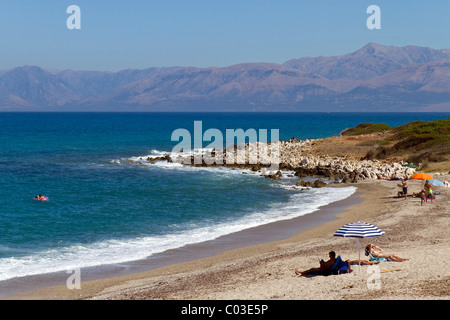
373 47
370 61
374 77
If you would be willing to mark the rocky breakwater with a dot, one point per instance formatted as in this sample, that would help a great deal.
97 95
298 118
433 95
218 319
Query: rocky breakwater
296 156
347 170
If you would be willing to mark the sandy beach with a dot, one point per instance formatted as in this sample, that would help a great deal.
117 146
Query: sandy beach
266 271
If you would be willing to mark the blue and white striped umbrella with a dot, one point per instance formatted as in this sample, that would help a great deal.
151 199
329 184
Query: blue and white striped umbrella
359 230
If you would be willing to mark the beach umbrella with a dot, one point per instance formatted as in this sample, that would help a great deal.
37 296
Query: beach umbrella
436 183
421 176
410 165
358 230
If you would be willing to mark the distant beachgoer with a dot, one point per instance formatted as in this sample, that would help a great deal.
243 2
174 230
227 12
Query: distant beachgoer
423 197
40 197
375 253
324 265
405 187
428 191
389 179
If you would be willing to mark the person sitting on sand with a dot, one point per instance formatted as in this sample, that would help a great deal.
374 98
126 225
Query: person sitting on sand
375 253
428 191
324 265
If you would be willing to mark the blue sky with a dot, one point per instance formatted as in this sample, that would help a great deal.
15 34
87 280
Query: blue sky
118 35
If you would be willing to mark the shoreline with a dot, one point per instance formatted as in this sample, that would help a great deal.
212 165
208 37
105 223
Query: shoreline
258 235
258 263
266 271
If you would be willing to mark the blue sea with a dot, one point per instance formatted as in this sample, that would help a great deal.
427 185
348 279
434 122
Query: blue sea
106 206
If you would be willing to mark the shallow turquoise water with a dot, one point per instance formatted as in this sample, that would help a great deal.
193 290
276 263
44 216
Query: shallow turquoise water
105 209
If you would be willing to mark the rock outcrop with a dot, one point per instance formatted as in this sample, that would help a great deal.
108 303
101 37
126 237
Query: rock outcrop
292 155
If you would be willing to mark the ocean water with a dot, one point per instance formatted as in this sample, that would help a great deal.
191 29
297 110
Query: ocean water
105 208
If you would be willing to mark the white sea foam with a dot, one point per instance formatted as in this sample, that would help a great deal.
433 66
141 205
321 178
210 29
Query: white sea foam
177 157
117 251
177 163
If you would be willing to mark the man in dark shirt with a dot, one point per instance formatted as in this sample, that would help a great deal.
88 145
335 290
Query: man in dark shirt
324 265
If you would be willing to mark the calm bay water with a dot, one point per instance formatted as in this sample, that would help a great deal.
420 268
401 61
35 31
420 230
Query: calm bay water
105 209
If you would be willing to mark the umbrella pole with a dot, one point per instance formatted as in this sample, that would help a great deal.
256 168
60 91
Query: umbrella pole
359 254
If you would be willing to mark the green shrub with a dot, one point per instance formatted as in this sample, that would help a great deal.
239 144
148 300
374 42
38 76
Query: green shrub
365 128
427 141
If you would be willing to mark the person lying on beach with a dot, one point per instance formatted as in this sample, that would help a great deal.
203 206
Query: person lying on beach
324 265
375 253
389 178
362 262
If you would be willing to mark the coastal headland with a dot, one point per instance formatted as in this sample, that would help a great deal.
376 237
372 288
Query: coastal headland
415 230
367 151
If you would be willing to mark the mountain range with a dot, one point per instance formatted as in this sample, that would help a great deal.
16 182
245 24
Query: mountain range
373 78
